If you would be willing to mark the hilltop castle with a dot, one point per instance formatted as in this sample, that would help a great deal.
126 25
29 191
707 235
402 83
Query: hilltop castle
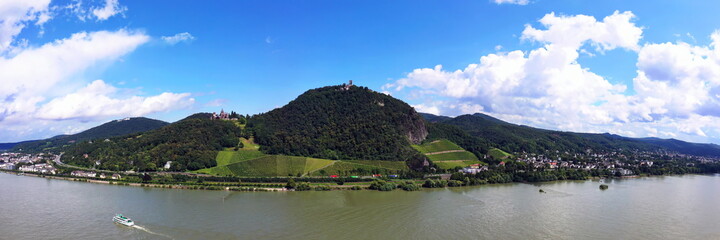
346 86
222 116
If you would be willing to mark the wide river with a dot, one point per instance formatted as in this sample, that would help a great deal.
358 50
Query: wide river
672 207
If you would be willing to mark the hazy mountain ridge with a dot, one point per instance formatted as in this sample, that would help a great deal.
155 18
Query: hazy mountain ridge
518 138
107 130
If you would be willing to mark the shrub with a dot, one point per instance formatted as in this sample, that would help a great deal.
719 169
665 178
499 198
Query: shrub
291 184
455 183
409 186
303 186
429 183
382 185
322 188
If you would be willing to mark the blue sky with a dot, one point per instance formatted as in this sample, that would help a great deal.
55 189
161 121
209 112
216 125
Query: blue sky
253 56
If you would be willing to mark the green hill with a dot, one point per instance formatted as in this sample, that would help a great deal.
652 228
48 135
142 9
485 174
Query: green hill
190 144
107 130
342 123
482 132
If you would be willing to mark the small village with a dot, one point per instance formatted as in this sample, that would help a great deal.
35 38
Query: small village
43 164
37 163
617 163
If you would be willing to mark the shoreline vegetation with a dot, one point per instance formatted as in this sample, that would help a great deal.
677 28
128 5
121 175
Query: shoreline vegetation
270 184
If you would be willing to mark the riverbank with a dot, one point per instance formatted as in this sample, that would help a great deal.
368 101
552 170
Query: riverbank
281 186
187 186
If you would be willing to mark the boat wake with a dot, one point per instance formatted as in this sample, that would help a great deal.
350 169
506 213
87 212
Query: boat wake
151 232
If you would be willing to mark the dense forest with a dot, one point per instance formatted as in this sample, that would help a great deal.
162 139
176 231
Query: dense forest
110 129
492 132
190 144
342 123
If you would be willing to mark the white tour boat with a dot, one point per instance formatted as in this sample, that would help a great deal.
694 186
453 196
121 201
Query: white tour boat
119 218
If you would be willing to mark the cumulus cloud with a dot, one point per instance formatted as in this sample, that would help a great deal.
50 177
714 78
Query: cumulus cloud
96 101
24 86
16 14
180 37
111 8
40 85
517 2
616 30
676 90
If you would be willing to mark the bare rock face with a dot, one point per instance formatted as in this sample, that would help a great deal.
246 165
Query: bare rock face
417 132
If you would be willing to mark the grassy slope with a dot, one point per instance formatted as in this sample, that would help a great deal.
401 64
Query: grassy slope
453 164
229 157
437 146
277 165
453 156
345 167
447 160
249 144
393 165
498 154
249 162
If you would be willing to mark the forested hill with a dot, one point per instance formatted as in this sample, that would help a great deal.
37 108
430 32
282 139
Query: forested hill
6 146
342 123
492 132
190 144
107 130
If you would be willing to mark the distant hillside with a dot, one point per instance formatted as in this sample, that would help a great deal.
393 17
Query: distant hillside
190 144
7 146
517 138
342 123
107 130
434 118
198 116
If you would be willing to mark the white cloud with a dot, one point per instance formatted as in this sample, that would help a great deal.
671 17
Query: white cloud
427 109
180 37
59 60
96 101
15 14
616 30
517 2
111 8
41 85
677 87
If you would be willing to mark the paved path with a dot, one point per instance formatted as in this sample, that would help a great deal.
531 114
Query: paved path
448 151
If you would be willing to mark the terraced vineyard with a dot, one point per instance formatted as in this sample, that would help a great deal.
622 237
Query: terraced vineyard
278 165
447 155
361 167
229 157
437 146
250 162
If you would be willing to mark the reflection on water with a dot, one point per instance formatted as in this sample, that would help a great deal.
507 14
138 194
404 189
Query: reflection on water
672 207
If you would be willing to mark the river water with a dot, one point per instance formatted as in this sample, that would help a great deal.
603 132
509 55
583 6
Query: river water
672 207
